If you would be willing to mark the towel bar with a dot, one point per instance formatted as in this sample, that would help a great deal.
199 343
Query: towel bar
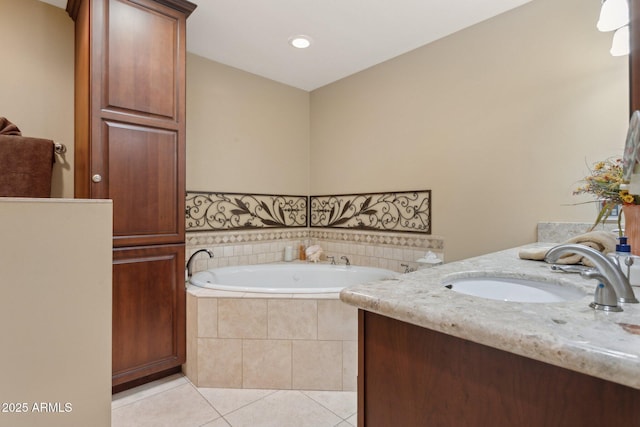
59 148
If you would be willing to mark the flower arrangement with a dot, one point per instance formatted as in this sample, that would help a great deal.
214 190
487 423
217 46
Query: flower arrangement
604 183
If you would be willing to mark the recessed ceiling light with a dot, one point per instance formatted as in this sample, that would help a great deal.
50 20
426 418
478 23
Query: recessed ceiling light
300 42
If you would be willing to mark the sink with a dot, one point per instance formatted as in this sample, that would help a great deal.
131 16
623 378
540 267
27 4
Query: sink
516 290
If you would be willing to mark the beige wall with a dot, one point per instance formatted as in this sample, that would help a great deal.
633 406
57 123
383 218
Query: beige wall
36 78
499 120
55 308
245 133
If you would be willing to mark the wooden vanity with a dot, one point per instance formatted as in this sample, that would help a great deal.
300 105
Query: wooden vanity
412 376
431 357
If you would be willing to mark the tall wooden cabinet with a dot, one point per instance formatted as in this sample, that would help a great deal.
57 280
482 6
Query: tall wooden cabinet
130 147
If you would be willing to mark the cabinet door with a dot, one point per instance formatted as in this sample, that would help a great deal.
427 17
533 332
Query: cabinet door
135 154
144 182
148 311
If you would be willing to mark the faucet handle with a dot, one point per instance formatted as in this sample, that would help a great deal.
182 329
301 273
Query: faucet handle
605 297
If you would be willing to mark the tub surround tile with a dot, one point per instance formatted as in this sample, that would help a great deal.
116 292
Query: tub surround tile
266 364
567 334
337 321
292 319
219 363
255 336
190 367
317 365
242 318
349 365
207 317
364 248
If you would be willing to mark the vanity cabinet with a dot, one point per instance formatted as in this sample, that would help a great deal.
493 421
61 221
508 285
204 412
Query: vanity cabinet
412 376
130 60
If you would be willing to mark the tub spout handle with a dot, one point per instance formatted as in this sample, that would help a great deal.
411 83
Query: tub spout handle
191 258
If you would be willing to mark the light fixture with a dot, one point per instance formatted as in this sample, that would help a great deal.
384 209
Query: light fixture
614 16
300 42
620 45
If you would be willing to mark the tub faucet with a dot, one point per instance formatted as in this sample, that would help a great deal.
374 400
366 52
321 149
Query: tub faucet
607 270
333 260
189 268
407 268
346 260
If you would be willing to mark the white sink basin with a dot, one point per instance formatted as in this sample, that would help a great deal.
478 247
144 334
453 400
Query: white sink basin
516 290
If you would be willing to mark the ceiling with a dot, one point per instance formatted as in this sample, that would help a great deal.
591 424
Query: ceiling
347 35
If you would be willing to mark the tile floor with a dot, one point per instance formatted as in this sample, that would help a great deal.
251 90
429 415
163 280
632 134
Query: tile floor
175 402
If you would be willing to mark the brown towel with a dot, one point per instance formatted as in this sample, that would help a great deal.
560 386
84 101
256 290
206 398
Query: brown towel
26 165
8 128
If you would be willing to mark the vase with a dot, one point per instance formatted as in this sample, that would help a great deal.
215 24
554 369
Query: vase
632 226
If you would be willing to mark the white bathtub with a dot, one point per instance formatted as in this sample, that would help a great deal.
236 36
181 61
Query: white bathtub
291 278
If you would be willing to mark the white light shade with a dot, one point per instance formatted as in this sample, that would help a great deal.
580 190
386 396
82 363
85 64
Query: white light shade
613 15
620 45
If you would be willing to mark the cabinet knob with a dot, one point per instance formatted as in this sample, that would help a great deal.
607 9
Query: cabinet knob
96 178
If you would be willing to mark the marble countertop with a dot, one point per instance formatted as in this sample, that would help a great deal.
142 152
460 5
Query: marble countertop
566 334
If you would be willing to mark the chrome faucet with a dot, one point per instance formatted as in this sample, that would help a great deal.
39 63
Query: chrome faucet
607 271
346 260
407 268
333 259
189 268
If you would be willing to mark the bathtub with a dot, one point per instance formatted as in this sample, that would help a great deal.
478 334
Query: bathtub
283 326
294 278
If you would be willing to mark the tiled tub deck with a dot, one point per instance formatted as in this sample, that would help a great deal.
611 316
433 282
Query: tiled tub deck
283 341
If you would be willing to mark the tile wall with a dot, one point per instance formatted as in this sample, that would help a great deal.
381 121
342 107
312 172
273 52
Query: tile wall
373 249
301 342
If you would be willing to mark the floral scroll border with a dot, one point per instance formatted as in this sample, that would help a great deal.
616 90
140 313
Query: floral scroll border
407 211
217 211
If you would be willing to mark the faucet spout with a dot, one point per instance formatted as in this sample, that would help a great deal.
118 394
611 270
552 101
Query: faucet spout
609 270
191 258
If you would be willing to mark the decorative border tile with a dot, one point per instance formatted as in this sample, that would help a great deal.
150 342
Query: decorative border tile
407 211
200 238
211 211
377 238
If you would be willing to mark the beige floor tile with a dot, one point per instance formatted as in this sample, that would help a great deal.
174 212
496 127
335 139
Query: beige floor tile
226 400
353 420
342 403
283 409
141 392
177 407
220 422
